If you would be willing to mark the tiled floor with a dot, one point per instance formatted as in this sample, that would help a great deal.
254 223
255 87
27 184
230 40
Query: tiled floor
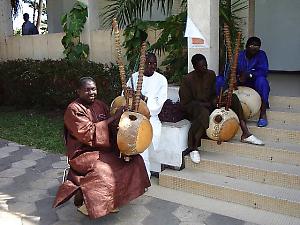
30 177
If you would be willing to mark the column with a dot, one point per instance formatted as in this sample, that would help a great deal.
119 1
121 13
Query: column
55 11
251 18
205 15
92 22
6 28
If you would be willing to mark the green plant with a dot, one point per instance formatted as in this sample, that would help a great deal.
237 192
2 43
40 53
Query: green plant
51 84
134 34
172 41
17 32
73 24
229 14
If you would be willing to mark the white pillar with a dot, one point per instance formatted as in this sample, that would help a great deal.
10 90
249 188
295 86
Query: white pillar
205 15
92 22
6 26
55 11
251 18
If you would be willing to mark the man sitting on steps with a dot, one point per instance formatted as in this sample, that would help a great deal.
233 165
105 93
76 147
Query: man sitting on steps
252 71
198 99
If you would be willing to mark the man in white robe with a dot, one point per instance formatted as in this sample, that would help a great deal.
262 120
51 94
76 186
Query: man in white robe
154 91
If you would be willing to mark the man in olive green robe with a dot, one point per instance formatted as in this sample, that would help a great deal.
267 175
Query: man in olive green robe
198 99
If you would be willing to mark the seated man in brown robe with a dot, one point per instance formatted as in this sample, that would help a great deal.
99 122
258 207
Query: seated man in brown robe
198 99
99 179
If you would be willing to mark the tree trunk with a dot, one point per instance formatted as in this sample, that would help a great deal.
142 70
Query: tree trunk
34 8
39 16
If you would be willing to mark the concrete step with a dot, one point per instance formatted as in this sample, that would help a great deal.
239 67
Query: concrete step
280 117
271 151
249 193
276 132
284 102
276 102
290 109
228 209
273 173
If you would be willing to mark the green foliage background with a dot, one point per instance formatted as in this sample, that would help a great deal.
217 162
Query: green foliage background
172 43
51 84
73 24
34 94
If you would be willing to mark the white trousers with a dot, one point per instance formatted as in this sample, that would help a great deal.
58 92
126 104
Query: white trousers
154 165
145 156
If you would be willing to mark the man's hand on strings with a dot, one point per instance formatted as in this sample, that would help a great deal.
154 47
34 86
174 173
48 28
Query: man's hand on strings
243 77
223 101
130 92
119 112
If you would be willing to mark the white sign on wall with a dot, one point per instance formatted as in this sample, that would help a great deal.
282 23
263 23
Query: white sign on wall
195 37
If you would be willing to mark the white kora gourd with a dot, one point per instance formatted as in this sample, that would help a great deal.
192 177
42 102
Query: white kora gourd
250 101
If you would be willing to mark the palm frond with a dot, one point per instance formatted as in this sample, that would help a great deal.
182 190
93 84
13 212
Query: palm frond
183 4
122 10
126 11
166 6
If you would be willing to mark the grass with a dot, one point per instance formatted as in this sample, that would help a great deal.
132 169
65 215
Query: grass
32 128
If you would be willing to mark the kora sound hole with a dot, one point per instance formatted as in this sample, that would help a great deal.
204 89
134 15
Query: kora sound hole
218 118
132 117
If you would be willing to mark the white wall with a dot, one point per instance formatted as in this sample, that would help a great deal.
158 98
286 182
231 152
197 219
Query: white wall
32 46
48 46
277 23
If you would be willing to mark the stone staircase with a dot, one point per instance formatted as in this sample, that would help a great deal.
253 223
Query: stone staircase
264 177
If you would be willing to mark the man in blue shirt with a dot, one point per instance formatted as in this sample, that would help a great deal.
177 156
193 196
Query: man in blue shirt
28 28
252 70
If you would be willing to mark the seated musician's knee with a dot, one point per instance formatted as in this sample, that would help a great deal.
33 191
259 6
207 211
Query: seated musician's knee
262 84
203 116
235 98
235 102
205 112
237 107
98 167
220 81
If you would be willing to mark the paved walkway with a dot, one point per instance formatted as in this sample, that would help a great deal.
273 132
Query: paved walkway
29 179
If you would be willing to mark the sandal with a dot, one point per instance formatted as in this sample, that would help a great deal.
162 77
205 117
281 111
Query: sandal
252 140
195 156
262 122
83 210
115 210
